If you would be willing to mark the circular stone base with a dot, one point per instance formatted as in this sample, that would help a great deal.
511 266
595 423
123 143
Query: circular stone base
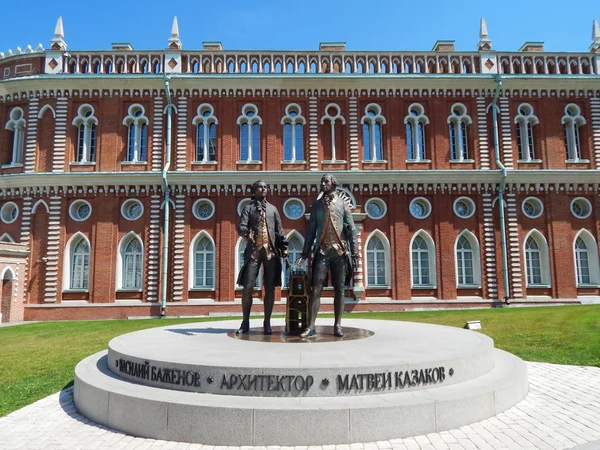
195 383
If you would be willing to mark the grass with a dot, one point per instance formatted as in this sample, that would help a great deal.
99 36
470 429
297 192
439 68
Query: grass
38 359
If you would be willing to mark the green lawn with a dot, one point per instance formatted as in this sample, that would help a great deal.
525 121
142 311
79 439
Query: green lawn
38 359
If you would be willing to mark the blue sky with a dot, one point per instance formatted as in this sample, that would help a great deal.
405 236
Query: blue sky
301 25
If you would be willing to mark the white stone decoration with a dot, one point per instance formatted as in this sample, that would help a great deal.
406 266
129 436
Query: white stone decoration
293 130
250 137
572 121
416 140
420 208
464 207
86 123
206 149
132 209
457 128
293 208
137 137
376 208
203 209
525 120
80 210
9 212
581 207
532 207
332 114
17 124
372 123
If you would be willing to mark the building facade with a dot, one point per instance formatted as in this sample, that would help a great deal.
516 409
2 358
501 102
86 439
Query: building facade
473 177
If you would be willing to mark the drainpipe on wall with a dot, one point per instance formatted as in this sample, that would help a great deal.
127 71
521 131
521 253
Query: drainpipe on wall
501 186
166 190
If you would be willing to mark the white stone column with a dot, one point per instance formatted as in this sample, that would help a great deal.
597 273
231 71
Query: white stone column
152 266
489 249
514 247
178 248
482 129
506 135
29 158
313 134
157 135
595 119
181 137
60 135
50 290
353 132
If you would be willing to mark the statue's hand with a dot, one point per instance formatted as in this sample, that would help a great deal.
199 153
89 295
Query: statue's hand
299 261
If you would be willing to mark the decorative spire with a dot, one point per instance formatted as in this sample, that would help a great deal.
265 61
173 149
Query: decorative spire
174 41
484 43
483 32
58 43
175 28
595 47
59 32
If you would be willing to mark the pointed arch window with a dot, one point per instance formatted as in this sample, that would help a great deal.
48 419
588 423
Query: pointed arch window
572 121
468 265
415 123
525 121
295 244
80 264
204 263
423 261
137 133
293 134
333 115
378 257
459 140
86 124
587 266
537 265
206 134
372 123
132 260
249 123
16 125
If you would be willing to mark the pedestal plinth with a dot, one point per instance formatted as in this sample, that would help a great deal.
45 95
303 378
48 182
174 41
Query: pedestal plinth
385 379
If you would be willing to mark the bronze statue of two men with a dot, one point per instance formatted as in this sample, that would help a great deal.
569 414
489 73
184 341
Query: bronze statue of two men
331 230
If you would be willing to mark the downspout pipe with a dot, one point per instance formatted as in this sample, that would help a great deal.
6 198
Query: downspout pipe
167 192
501 186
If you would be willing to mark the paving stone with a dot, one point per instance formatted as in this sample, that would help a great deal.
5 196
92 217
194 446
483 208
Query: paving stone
555 415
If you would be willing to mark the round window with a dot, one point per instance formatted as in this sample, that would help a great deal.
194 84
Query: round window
420 208
293 208
375 208
132 209
464 207
581 207
9 212
80 210
241 205
532 207
203 209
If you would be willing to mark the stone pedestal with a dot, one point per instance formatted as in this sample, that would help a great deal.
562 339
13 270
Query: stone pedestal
383 380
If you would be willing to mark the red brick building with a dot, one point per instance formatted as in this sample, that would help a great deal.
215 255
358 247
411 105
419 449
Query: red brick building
426 146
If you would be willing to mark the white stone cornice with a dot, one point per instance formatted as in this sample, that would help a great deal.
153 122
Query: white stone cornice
303 85
136 183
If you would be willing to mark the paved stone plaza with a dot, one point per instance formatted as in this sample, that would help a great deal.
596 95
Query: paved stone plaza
562 411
